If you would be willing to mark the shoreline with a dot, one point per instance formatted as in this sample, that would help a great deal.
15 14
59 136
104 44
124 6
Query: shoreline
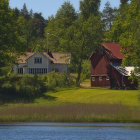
74 122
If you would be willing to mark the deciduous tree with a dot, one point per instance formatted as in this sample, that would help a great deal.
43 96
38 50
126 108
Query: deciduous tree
82 38
57 25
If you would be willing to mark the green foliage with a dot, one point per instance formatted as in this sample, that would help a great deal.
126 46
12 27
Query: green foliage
31 86
108 15
57 26
54 80
24 12
82 38
9 38
27 86
126 31
68 13
85 70
123 2
5 70
89 8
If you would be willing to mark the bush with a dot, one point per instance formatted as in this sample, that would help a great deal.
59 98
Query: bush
85 70
22 86
30 86
54 80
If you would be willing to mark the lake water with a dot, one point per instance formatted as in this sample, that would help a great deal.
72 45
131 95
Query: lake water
69 131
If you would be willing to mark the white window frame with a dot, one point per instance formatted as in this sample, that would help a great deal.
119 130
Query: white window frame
93 78
107 78
38 60
100 78
20 70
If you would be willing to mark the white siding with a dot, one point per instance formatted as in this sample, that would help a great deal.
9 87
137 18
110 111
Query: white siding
60 67
15 68
45 64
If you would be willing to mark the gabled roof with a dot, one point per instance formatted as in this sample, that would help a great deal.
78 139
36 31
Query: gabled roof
56 58
114 50
22 59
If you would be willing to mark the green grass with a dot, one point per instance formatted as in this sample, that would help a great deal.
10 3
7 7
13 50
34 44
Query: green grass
77 105
93 96
87 81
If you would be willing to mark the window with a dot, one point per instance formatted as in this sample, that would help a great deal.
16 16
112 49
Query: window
38 60
107 78
56 70
100 78
37 70
20 70
93 78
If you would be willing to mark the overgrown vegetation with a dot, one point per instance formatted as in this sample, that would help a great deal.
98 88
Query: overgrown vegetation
28 87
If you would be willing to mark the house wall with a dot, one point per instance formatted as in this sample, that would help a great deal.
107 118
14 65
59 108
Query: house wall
99 67
15 68
115 77
59 67
100 83
46 63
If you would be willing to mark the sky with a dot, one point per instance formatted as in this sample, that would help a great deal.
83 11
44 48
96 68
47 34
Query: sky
50 7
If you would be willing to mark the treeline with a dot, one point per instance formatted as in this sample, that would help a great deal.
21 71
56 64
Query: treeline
79 33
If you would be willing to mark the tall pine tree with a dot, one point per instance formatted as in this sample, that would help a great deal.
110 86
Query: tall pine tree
89 7
108 15
123 2
24 12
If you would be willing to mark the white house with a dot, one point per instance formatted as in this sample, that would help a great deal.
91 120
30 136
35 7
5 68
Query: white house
42 63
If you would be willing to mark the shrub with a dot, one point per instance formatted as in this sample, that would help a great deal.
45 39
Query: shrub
85 70
54 79
31 86
26 86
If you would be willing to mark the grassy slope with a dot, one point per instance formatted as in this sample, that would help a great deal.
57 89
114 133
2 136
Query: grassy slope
77 104
93 96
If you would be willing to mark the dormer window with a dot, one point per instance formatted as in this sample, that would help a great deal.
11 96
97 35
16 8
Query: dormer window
38 60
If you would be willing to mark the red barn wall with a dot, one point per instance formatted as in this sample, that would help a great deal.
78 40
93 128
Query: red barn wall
115 77
99 67
97 83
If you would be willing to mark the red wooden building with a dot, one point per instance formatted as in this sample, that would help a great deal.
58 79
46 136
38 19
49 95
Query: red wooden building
106 69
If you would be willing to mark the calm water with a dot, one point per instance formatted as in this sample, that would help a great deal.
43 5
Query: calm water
69 131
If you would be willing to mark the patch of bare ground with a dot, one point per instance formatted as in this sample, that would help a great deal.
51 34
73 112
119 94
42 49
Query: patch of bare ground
85 85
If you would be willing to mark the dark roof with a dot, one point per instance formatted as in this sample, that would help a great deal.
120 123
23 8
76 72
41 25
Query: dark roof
114 50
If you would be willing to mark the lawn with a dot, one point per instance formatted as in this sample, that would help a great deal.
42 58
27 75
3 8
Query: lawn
77 105
92 96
